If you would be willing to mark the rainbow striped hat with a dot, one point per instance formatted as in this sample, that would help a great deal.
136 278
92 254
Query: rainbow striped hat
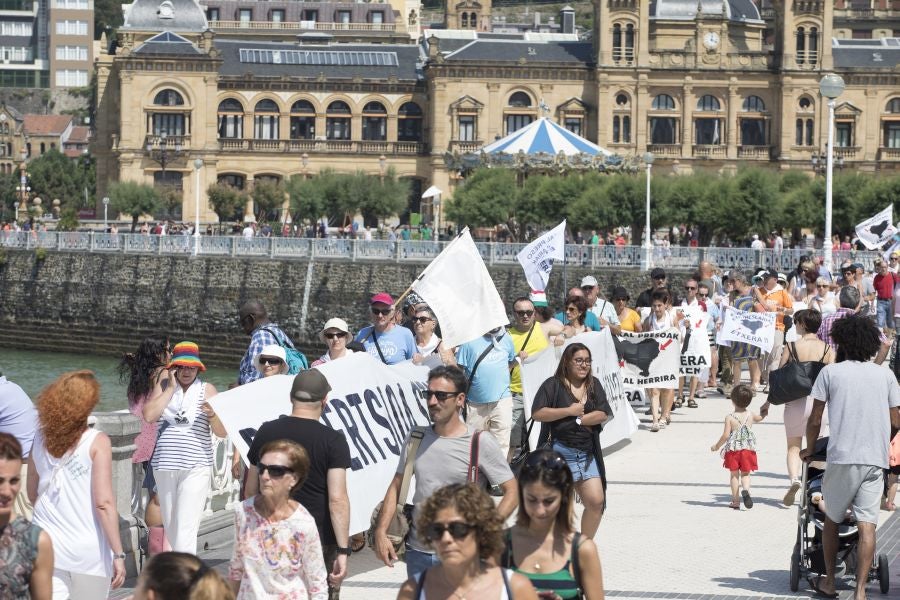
186 354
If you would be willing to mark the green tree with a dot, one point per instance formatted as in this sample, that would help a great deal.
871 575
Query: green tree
592 209
8 196
54 175
107 15
487 197
227 202
68 219
379 197
750 204
268 197
628 193
545 200
135 199
307 197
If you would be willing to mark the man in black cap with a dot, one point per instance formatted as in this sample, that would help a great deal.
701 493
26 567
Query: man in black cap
658 282
324 493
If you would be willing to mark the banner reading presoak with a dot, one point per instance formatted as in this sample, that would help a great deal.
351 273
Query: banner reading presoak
373 404
651 358
754 328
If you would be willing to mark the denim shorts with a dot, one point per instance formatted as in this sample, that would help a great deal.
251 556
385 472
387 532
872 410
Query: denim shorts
581 463
883 314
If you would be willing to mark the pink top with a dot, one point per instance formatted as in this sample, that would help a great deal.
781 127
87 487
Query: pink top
145 441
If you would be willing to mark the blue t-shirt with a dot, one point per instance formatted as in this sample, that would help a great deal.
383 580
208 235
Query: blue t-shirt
492 375
397 344
18 416
590 320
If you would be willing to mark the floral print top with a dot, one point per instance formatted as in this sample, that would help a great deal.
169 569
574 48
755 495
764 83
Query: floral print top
18 551
280 559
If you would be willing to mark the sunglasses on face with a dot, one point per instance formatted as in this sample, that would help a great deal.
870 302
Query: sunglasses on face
275 471
524 313
441 396
458 530
821 286
571 309
381 311
422 320
702 295
659 278
581 362
689 288
334 336
265 360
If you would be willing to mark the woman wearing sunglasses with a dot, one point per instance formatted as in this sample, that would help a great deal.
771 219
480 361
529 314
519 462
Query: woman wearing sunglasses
576 310
335 334
574 406
823 299
272 360
543 544
277 551
460 522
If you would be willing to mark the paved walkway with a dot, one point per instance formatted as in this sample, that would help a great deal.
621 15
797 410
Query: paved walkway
668 531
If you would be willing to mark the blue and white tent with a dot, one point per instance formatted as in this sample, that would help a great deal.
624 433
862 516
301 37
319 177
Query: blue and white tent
543 135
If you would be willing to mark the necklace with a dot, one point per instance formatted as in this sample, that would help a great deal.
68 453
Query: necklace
462 595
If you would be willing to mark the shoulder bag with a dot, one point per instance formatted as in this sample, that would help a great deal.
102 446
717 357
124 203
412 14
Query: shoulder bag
296 360
795 379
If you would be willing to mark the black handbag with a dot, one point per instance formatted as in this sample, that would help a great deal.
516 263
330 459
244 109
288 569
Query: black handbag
795 379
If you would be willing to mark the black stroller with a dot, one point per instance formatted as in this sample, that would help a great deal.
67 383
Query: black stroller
809 556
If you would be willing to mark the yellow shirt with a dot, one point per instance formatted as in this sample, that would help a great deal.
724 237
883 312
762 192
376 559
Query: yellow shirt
536 343
630 320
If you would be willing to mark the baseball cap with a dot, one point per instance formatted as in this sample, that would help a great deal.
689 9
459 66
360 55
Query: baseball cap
590 280
620 293
657 273
310 385
334 323
782 278
383 298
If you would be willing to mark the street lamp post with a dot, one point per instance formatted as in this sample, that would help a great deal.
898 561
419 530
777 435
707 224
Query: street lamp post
197 164
105 214
648 242
382 163
831 86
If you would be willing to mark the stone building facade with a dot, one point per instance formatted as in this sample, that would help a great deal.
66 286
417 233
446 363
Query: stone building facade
708 85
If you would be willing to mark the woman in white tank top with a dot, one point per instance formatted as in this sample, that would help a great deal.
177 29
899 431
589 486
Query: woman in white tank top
70 484
662 317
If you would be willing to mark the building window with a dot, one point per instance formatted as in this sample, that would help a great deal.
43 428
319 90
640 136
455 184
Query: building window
212 14
310 15
663 130
803 134
277 15
518 102
265 120
231 119
663 102
71 27
843 134
303 120
168 124
343 16
754 104
374 122
807 45
71 53
409 123
708 104
573 124
623 42
376 17
753 132
71 4
18 28
622 129
16 54
232 180
337 121
622 101
467 130
71 78
708 132
168 98
245 15
892 134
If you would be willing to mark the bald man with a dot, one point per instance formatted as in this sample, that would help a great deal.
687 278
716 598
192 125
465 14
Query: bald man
254 320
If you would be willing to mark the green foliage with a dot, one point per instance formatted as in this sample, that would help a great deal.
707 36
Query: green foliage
268 197
40 254
488 197
54 175
134 199
878 195
379 197
750 204
107 14
68 219
340 194
8 198
227 202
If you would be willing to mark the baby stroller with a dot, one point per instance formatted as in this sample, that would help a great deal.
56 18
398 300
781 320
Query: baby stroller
809 556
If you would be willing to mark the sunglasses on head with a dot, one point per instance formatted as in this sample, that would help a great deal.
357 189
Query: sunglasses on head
553 462
381 311
457 530
422 320
441 396
332 335
275 471
524 313
268 360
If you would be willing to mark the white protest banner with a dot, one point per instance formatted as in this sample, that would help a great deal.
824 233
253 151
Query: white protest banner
538 368
696 355
791 334
754 328
874 232
460 291
537 257
893 247
636 397
373 404
651 358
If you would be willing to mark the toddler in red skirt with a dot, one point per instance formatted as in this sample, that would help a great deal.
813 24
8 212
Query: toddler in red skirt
738 443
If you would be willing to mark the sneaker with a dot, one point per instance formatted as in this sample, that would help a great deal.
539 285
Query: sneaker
748 501
791 494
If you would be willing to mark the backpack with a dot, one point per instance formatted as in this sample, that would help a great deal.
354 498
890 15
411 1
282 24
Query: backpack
296 360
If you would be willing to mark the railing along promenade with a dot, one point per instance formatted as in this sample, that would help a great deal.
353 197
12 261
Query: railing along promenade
412 251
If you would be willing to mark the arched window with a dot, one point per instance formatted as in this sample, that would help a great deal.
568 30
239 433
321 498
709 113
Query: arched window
708 103
265 120
801 45
893 106
231 119
520 100
891 125
803 136
754 104
520 112
303 120
168 97
337 121
813 46
409 123
623 42
663 102
464 20
374 122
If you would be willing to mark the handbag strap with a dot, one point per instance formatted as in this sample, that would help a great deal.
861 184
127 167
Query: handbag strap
377 346
824 354
472 470
475 367
576 564
792 350
415 439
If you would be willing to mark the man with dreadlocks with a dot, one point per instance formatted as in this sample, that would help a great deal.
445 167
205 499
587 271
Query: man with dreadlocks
860 426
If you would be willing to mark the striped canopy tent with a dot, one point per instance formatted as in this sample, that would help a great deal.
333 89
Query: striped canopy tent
545 136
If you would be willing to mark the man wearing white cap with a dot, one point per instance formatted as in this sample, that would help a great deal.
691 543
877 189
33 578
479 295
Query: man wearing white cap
600 306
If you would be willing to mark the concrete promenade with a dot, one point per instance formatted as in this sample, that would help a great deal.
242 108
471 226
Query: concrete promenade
668 532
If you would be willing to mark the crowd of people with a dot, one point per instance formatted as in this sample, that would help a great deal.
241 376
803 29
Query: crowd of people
58 517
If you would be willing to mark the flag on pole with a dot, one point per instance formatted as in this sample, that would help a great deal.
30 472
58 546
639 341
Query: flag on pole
458 288
538 256
877 230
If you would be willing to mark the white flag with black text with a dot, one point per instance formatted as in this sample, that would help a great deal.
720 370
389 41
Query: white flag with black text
874 232
538 256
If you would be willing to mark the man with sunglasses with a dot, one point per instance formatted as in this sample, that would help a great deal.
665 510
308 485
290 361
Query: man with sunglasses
324 493
602 308
442 459
384 339
658 282
528 338
254 320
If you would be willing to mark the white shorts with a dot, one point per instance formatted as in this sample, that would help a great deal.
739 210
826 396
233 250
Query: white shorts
856 486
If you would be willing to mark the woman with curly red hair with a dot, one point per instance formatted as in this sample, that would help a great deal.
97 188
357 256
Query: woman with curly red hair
72 490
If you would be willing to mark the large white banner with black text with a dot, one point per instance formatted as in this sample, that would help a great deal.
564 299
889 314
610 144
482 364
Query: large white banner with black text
652 358
754 328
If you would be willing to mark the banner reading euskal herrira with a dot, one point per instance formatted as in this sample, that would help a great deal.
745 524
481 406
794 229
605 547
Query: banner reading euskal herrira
651 358
754 328
372 404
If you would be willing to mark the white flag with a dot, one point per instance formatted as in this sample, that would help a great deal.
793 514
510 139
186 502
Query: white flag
460 291
754 328
538 256
874 232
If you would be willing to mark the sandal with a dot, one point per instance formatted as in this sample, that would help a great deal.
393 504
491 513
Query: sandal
678 403
654 428
735 505
692 403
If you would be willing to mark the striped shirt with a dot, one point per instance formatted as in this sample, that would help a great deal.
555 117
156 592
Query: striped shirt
184 448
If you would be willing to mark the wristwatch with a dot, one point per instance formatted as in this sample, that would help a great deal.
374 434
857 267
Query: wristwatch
119 555
348 551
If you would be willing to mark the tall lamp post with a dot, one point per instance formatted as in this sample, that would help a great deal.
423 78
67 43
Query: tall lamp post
648 242
106 214
197 164
831 86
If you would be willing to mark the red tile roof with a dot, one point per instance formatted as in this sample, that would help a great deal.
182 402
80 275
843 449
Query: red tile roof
80 134
46 124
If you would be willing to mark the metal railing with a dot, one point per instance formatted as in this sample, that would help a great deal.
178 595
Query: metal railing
411 251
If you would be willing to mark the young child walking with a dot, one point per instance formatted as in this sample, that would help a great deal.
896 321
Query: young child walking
740 445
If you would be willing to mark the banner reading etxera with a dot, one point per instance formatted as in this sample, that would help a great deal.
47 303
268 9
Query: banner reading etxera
651 358
373 404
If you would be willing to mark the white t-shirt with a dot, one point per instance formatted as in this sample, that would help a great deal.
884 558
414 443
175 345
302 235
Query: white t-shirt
247 233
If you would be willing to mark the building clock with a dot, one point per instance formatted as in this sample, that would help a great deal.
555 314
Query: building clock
711 40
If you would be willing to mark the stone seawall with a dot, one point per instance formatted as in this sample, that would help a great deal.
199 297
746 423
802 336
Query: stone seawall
105 303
